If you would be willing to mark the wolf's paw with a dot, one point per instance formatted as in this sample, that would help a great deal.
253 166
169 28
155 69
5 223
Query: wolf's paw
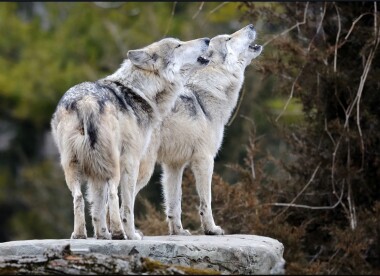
78 236
138 235
105 236
181 232
139 232
119 236
217 230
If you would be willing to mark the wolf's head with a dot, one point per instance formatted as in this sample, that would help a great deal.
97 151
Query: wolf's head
167 56
238 47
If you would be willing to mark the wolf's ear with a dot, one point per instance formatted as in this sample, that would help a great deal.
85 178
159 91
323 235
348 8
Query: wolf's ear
140 58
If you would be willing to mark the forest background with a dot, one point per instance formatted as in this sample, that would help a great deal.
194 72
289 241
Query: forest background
300 160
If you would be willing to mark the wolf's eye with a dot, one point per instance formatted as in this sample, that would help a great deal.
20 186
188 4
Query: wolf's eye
179 45
228 39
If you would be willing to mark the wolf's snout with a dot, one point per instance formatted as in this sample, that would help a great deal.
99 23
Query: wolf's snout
251 27
257 47
203 60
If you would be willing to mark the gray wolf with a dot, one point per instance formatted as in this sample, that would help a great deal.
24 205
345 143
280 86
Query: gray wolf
193 132
103 128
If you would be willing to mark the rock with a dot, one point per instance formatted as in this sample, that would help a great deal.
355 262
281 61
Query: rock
229 254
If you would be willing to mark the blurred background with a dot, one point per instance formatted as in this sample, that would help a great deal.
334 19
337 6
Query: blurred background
300 159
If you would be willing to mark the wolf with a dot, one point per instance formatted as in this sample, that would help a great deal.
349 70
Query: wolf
193 132
103 128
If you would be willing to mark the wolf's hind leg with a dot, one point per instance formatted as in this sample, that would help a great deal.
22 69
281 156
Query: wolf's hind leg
171 183
128 187
115 224
73 181
97 196
203 169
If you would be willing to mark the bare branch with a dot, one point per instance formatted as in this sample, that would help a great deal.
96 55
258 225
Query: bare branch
328 132
218 7
375 19
351 204
360 90
352 214
199 10
115 34
251 159
354 23
319 27
361 87
291 204
291 28
337 38
291 94
333 165
170 19
298 76
317 255
248 119
288 205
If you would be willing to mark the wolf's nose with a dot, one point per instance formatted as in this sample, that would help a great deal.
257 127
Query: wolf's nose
207 41
251 26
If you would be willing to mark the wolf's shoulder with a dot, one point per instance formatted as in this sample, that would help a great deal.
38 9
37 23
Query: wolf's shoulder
100 90
74 94
77 91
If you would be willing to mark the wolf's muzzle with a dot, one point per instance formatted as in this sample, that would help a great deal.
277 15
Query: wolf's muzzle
202 60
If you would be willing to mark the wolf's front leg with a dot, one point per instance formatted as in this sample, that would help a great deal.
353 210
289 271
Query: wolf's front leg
203 168
171 183
128 186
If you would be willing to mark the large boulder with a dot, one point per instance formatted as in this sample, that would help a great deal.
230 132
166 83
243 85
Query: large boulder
229 254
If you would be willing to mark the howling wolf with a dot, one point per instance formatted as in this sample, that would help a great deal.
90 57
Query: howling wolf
103 128
193 132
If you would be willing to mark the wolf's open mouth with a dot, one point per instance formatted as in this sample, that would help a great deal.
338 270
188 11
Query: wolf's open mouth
202 60
255 47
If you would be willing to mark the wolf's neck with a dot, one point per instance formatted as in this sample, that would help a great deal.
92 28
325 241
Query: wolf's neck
188 70
219 89
159 90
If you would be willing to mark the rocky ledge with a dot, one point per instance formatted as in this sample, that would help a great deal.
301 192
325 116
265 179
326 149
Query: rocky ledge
229 254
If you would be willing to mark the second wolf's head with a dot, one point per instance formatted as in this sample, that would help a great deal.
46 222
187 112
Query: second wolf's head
238 47
168 55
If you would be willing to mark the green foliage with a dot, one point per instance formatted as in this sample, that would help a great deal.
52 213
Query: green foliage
45 202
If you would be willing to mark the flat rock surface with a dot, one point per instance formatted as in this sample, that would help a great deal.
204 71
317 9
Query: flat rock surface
229 254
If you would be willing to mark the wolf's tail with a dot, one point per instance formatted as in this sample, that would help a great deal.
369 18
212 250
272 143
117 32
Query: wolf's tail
95 146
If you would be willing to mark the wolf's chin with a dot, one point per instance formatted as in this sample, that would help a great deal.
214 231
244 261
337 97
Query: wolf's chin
203 60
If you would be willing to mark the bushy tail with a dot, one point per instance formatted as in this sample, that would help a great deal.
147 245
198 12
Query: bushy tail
94 147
